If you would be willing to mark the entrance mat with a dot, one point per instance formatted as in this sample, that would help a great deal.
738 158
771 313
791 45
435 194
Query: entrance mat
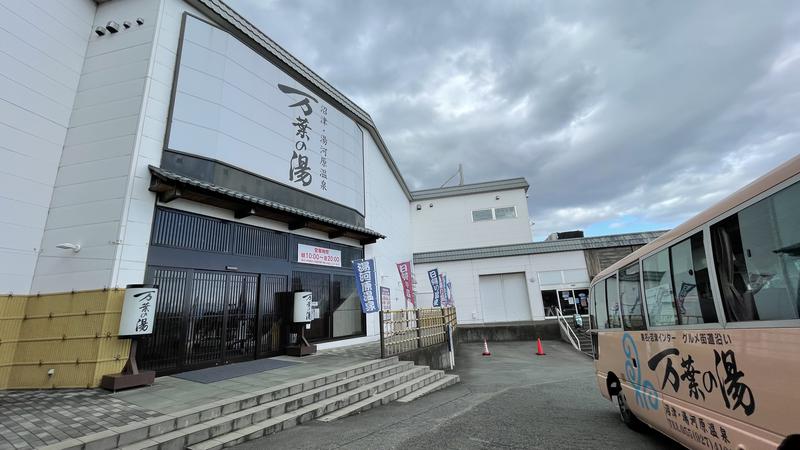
214 374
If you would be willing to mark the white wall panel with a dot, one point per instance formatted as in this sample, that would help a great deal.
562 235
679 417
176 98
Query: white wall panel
387 213
448 224
229 106
41 55
95 173
465 275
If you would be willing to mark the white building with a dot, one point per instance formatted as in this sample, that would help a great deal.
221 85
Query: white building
172 142
478 235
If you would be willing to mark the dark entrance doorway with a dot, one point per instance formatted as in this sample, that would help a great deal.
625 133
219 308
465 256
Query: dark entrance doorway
226 292
206 318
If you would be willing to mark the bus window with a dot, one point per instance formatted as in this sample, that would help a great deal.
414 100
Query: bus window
612 295
757 257
690 282
601 313
631 298
658 290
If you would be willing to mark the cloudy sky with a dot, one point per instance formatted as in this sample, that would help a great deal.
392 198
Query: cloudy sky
623 116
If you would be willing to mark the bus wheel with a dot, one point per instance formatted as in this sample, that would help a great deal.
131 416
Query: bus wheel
627 416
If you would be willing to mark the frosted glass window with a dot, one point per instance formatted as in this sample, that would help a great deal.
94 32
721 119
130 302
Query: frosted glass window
550 277
505 213
576 276
481 214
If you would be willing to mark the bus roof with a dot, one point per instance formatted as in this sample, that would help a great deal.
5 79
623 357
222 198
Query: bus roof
772 178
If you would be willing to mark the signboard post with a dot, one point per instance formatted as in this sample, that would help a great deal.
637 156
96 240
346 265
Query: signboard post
302 315
364 271
136 319
433 276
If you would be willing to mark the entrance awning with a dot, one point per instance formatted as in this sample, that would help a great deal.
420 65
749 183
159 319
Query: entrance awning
170 186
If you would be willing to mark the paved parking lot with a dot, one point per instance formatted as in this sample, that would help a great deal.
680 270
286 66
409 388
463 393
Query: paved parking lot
512 399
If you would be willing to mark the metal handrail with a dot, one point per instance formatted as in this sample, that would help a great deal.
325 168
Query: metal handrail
562 322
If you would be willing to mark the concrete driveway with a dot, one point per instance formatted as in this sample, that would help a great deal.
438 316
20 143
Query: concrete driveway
512 399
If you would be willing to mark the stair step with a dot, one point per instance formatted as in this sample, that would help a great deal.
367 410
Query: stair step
385 397
312 411
445 381
236 420
132 435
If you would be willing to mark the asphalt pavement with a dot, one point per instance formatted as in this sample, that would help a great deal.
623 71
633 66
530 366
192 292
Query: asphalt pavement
512 399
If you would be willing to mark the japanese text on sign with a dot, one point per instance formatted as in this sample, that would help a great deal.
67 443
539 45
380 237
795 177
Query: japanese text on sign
364 271
405 278
433 276
299 170
320 256
138 311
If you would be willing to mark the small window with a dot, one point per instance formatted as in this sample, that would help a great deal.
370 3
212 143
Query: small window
481 214
757 257
612 294
505 213
601 312
694 301
631 298
658 290
576 276
550 277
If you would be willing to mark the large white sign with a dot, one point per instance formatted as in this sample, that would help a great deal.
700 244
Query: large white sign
320 256
234 106
138 310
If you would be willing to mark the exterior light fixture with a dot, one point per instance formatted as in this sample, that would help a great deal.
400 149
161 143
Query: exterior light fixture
419 207
100 31
112 27
497 197
69 246
140 21
127 24
430 205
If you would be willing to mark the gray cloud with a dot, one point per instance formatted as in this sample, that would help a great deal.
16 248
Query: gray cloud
620 113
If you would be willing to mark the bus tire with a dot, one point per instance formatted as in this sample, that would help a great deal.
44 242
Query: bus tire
627 416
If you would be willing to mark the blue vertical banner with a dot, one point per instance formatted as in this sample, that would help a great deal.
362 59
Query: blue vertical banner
364 270
433 276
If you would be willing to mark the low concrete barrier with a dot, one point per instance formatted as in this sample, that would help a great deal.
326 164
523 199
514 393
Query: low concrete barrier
510 331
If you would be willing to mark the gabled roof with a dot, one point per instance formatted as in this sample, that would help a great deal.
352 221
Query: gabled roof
229 19
474 188
532 248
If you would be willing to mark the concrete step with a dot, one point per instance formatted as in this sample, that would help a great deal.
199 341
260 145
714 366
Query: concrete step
235 421
144 434
445 381
385 397
260 428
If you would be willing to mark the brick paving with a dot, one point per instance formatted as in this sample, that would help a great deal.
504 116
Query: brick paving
32 419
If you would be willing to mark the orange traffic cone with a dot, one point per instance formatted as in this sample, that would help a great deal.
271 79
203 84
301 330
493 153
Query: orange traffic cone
539 349
486 351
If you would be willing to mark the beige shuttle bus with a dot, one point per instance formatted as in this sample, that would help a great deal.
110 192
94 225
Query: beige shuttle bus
697 334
